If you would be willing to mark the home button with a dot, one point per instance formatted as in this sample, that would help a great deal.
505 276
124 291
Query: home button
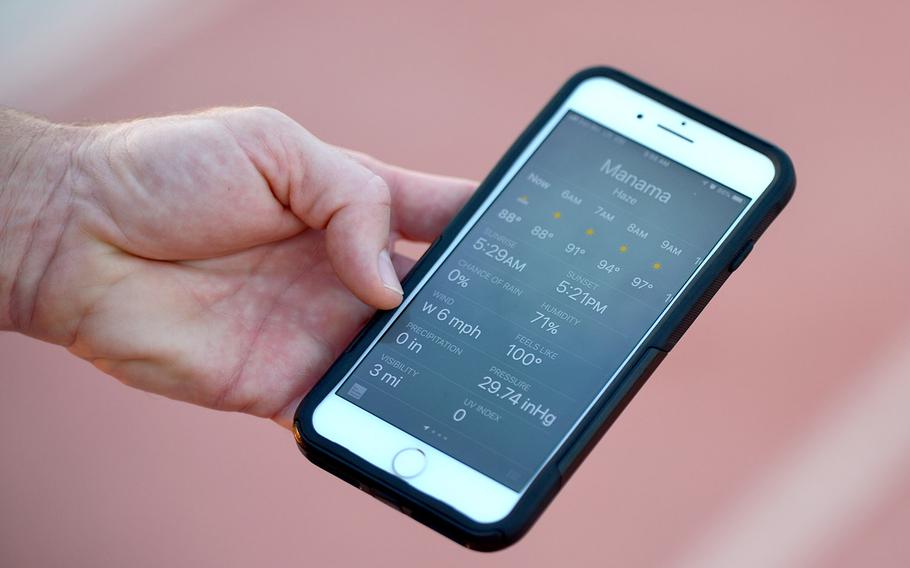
409 463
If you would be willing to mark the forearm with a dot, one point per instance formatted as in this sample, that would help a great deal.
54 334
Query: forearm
35 195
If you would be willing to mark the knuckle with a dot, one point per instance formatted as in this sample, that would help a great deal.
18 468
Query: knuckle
377 191
268 115
257 117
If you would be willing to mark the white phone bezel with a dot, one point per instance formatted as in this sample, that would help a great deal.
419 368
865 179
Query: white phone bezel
616 106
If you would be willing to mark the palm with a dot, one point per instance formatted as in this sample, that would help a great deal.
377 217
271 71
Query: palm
284 320
189 295
250 331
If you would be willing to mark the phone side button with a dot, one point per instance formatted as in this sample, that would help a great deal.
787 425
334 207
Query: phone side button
741 255
356 339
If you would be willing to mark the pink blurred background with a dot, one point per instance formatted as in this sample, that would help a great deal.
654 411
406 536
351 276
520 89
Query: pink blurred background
799 456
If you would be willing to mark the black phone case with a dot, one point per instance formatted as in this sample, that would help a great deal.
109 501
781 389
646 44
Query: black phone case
488 537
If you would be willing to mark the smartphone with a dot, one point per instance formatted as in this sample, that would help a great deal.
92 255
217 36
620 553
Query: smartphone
543 307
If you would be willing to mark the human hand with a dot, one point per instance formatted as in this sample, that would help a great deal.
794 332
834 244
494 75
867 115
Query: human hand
222 258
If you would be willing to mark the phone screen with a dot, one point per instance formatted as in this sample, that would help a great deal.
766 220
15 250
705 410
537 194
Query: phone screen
510 340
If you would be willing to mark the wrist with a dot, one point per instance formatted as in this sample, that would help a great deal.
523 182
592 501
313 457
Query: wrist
36 185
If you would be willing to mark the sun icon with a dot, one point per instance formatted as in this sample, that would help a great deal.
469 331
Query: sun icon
623 248
589 232
557 214
656 266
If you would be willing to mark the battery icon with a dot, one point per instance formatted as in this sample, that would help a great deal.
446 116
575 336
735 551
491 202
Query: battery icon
736 198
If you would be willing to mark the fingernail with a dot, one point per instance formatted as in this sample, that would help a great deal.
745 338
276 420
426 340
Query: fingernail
387 273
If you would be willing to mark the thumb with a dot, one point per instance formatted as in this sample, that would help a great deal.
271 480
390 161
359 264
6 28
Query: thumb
355 210
328 190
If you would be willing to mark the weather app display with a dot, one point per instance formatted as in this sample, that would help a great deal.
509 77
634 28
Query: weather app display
519 329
